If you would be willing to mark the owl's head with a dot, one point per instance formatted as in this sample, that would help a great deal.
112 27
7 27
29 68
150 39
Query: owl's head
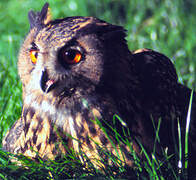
74 53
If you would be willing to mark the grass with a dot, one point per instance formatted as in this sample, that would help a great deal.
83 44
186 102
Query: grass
166 26
70 165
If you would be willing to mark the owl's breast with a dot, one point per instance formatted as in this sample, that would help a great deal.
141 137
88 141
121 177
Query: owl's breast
45 127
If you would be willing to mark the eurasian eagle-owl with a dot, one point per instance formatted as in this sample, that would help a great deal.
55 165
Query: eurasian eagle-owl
79 69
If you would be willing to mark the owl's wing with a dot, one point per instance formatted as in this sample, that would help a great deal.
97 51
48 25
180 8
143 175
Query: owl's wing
159 81
157 75
163 95
12 136
158 78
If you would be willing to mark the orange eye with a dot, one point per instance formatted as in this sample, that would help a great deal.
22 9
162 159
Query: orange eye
33 56
72 56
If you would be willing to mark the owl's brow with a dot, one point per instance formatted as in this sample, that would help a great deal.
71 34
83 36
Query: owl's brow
33 46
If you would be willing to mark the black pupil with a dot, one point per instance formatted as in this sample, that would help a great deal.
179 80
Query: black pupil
70 55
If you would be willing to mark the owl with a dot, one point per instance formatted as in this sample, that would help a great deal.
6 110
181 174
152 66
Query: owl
79 79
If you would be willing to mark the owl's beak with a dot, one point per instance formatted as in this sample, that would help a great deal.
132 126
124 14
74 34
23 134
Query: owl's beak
46 84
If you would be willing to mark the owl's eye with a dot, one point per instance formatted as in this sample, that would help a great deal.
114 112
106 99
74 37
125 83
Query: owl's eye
33 56
72 56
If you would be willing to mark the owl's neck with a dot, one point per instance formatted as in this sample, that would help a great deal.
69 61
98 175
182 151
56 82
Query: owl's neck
60 112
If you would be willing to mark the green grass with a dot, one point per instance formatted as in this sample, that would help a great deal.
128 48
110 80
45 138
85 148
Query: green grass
70 166
166 26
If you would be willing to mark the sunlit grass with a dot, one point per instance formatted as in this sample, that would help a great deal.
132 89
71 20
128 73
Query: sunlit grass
70 165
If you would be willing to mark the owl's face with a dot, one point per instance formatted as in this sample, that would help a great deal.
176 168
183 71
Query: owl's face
54 58
70 55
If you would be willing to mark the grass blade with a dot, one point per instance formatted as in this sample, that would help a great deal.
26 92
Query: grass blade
187 130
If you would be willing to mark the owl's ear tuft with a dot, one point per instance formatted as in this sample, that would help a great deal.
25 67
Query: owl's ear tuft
40 19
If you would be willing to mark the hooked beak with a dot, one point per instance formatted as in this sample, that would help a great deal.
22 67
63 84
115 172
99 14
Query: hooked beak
47 84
